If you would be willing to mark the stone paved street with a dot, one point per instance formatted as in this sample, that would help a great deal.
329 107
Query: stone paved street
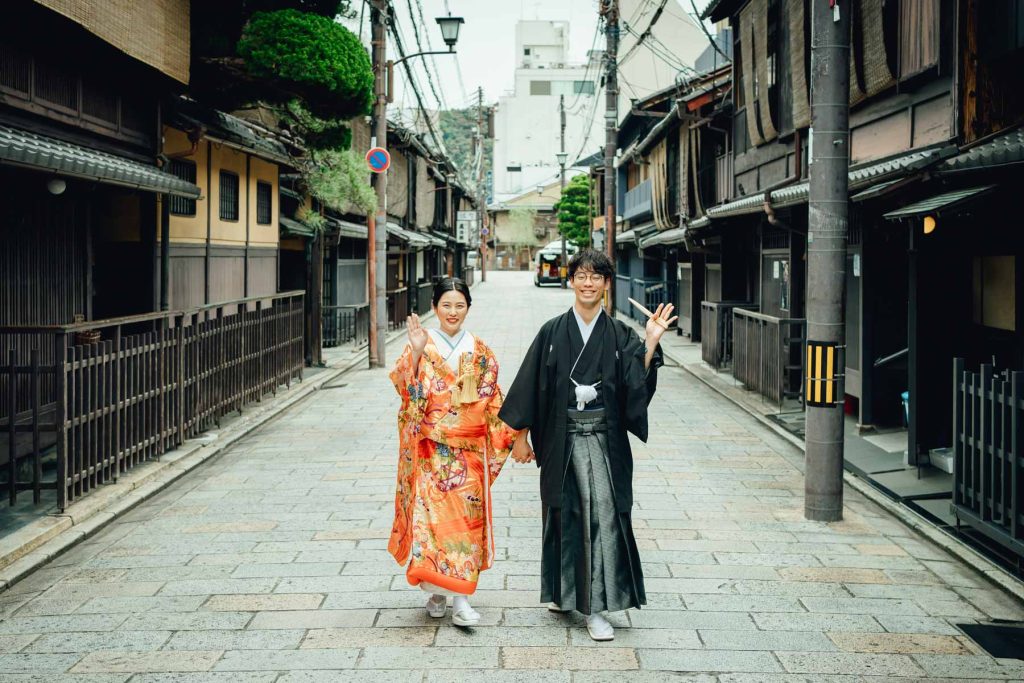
269 564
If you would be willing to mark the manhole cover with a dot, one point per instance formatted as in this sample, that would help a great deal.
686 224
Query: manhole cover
1004 641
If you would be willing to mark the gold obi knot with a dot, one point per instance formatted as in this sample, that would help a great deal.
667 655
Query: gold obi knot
466 389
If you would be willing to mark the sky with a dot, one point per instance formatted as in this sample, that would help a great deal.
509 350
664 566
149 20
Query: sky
486 48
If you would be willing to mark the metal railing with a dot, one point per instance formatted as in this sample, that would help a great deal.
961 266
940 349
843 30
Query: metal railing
988 448
98 398
716 331
398 307
767 353
346 324
637 201
424 293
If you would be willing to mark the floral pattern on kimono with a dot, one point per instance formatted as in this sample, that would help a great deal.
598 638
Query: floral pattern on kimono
449 437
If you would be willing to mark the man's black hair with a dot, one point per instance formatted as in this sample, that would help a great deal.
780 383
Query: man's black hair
592 259
451 284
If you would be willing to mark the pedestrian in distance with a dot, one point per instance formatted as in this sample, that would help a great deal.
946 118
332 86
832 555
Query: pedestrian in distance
451 448
585 383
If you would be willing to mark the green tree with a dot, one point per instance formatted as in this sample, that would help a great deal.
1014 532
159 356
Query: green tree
575 212
311 56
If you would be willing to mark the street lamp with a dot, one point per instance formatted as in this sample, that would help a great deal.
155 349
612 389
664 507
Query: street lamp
562 158
450 30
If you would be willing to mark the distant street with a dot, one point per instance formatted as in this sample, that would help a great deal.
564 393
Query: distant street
269 565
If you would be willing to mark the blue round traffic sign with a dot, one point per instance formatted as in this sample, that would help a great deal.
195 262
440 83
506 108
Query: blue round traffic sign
378 159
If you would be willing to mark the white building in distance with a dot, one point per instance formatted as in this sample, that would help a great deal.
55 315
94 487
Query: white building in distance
527 124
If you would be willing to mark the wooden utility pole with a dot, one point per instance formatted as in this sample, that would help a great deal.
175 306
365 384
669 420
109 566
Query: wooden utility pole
610 11
826 257
377 264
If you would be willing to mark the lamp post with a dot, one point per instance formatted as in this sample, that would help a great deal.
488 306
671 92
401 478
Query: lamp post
563 270
383 70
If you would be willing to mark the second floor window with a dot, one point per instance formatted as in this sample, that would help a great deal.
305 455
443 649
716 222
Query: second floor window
186 170
228 196
264 202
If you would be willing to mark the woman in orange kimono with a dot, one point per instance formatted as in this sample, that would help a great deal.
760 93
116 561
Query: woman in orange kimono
451 448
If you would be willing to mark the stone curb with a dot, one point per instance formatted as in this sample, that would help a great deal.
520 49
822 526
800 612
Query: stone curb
981 564
35 544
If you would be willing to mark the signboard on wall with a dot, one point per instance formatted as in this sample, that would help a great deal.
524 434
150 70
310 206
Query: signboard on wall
467 228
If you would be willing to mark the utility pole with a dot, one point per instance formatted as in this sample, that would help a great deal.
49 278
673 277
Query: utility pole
610 10
377 266
826 257
480 195
563 270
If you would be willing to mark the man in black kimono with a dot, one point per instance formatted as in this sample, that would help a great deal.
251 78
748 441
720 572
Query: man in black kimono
585 382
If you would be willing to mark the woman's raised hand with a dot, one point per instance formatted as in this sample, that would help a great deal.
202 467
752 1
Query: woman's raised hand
417 334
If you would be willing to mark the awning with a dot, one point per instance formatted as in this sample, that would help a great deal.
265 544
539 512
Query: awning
859 178
444 237
290 226
940 203
1001 150
664 238
415 240
21 148
348 228
628 236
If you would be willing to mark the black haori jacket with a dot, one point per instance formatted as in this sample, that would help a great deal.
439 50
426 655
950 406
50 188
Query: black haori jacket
539 396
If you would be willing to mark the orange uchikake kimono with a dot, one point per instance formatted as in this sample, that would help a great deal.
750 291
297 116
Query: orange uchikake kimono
451 448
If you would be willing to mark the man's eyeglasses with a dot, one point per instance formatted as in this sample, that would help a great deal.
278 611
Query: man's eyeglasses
596 278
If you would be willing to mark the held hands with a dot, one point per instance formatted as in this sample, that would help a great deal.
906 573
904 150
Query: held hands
521 451
658 323
417 334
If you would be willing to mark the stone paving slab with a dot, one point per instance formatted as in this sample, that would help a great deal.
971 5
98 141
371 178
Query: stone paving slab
269 564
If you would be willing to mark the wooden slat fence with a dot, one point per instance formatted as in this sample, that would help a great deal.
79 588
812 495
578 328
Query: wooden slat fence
398 307
140 387
988 449
424 295
716 331
346 324
767 353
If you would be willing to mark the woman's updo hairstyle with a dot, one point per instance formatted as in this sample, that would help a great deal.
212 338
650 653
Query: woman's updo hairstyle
451 284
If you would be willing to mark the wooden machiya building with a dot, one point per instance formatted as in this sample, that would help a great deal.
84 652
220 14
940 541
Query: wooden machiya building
138 253
933 263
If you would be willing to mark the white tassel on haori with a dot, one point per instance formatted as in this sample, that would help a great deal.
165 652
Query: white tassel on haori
585 393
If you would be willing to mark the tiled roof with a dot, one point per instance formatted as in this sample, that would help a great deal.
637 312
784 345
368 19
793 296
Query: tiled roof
939 203
23 148
859 178
665 237
1000 151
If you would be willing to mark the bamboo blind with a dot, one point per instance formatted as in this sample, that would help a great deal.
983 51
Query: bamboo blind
684 170
763 77
155 32
877 75
750 89
659 185
796 11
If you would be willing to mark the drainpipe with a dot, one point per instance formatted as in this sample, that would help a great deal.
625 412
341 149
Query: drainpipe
165 246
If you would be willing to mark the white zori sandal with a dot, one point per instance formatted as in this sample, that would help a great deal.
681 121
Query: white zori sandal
436 606
463 614
599 628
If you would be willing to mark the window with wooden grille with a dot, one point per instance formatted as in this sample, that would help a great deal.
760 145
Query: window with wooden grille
228 196
264 202
186 170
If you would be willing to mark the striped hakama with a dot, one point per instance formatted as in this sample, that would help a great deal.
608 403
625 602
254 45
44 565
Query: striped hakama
589 559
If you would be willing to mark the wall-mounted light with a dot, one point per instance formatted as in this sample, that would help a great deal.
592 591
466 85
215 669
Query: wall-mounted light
56 185
929 225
